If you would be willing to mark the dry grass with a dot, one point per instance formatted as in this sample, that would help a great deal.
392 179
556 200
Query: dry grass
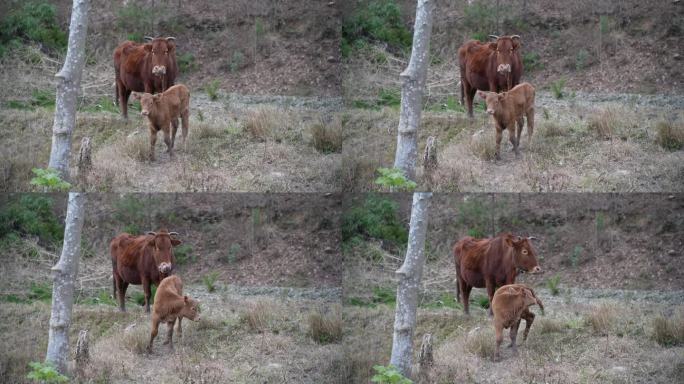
326 328
549 326
327 138
614 122
669 331
137 146
480 342
258 316
137 338
670 135
262 121
483 144
602 319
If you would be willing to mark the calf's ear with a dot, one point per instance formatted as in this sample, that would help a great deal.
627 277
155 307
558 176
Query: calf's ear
176 242
135 95
482 94
157 97
185 298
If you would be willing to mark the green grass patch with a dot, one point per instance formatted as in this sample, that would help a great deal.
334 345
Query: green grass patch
445 300
102 297
375 21
381 295
186 62
183 254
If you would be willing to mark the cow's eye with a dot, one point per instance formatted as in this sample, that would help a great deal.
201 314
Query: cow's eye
524 251
166 53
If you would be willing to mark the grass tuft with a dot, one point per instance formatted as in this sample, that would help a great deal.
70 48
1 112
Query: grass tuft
261 122
327 138
602 319
325 329
481 342
670 135
668 331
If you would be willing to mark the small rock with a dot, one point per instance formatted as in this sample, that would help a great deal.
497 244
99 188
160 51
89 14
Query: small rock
672 252
129 327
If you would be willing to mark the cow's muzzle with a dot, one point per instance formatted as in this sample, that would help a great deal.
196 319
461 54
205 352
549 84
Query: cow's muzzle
159 70
165 268
536 269
145 113
504 68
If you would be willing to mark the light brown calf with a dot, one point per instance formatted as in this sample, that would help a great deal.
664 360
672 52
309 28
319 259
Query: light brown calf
162 111
169 305
511 304
509 108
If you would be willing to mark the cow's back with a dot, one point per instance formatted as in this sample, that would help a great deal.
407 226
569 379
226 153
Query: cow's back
119 244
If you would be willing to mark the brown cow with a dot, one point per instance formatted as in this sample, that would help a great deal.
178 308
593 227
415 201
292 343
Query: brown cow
491 262
510 304
142 260
509 108
169 305
149 67
495 66
162 111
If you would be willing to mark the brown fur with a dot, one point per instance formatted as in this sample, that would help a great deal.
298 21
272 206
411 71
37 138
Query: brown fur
508 109
162 111
169 305
488 263
511 304
479 63
134 64
142 260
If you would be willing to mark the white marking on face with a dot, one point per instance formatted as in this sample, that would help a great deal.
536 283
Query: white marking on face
504 68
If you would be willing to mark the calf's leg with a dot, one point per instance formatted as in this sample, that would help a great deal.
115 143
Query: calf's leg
180 330
153 141
155 330
167 140
169 333
513 139
174 129
530 124
491 287
514 335
529 319
499 339
499 133
185 118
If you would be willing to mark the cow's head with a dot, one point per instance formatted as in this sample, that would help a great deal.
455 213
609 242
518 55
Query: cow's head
148 102
162 48
493 101
190 309
523 254
162 244
506 48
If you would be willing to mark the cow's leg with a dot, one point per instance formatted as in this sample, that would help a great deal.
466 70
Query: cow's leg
124 94
499 133
169 333
469 96
530 124
155 330
466 298
491 287
529 319
514 335
148 293
153 141
499 339
121 288
180 329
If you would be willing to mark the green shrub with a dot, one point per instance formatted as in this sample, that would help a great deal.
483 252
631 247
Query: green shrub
445 300
376 218
49 179
381 295
212 89
183 254
553 283
480 20
102 297
135 20
581 59
575 255
375 20
389 97
35 21
473 215
45 373
209 281
186 62
31 215
236 61
139 297
394 180
388 375
130 212
557 88
531 61
482 301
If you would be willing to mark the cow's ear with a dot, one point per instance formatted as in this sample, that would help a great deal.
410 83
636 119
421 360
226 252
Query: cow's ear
135 95
517 42
483 95
157 97
508 241
185 298
148 47
176 242
492 46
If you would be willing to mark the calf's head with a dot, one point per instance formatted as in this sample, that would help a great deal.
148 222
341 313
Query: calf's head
149 103
493 100
162 50
190 309
162 249
523 254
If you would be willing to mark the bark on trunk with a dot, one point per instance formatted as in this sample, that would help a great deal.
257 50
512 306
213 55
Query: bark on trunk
68 87
64 276
412 91
410 275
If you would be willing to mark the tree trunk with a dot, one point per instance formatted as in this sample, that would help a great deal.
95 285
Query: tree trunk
68 87
412 91
410 275
64 276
